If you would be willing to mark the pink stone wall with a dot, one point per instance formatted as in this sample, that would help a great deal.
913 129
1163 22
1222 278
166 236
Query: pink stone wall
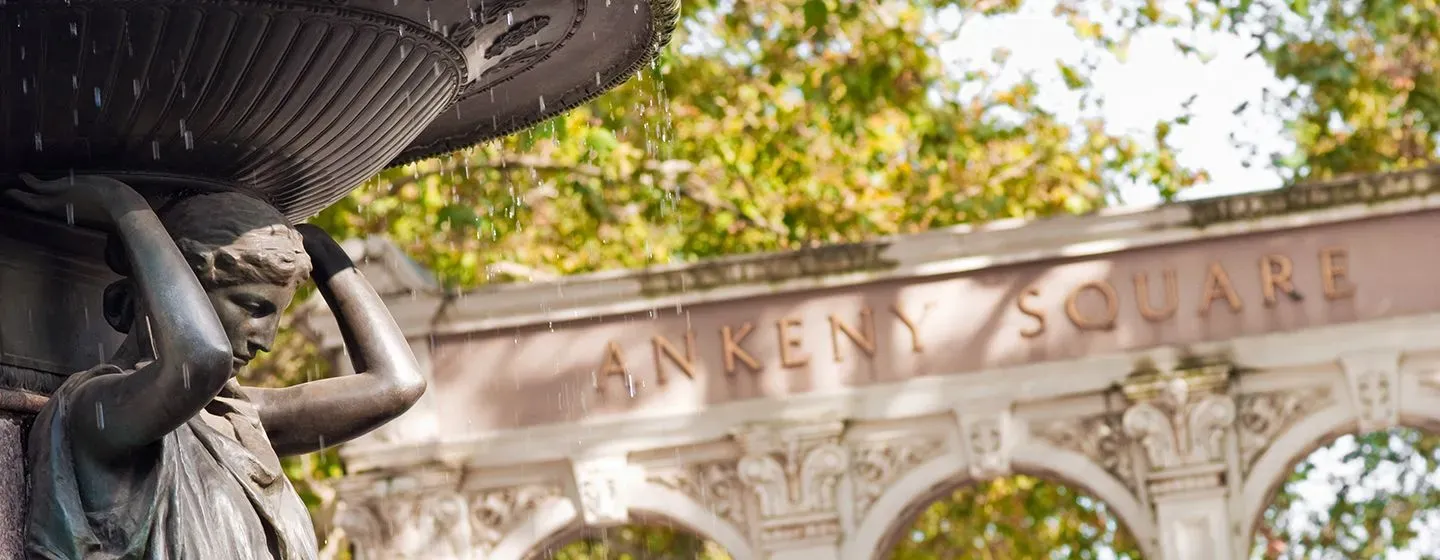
1378 268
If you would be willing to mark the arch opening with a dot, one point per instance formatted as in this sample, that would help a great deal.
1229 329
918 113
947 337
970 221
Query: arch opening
1373 495
1017 516
646 537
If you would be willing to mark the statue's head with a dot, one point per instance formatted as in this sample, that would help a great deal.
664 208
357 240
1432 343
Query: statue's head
248 259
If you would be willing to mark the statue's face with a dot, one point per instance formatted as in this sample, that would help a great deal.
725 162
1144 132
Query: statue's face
250 314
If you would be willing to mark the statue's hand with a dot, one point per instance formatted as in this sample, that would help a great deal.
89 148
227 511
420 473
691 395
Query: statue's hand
327 256
79 198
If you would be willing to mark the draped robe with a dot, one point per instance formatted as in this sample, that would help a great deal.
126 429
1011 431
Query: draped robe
212 489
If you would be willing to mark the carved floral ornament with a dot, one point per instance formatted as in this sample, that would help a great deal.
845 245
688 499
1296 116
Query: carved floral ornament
441 524
876 465
1264 416
1098 437
715 485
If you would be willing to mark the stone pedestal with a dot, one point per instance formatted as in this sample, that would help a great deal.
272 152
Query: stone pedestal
14 493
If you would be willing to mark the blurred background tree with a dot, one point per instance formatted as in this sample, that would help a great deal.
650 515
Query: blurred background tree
785 124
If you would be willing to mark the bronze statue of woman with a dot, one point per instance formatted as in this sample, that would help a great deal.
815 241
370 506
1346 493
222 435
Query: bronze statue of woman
160 454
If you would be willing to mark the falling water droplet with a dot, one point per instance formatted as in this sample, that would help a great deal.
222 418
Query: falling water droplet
69 214
97 97
542 103
99 415
509 18
155 149
39 143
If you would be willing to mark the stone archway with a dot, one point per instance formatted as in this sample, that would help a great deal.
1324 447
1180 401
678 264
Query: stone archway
894 511
1412 405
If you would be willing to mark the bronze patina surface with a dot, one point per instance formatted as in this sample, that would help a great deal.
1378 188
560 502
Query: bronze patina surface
296 101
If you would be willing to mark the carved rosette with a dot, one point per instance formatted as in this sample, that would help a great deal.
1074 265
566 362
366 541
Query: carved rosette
1097 437
878 464
794 471
714 485
439 525
1263 416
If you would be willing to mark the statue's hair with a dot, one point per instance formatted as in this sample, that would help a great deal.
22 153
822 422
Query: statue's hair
231 238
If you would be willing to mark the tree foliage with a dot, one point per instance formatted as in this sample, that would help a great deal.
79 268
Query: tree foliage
1014 518
771 126
1379 497
780 125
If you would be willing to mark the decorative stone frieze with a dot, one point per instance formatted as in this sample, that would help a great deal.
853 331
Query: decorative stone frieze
794 471
876 465
714 485
1374 381
439 525
1264 416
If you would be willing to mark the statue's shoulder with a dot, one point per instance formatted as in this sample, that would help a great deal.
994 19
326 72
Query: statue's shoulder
75 380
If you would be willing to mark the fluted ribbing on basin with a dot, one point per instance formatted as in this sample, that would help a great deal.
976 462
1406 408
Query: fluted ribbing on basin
296 104
297 101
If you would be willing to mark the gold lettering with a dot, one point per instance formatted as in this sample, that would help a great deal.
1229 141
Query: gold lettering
1275 271
730 347
1217 284
865 340
613 364
789 343
1112 306
663 348
913 325
1335 268
1172 296
1039 315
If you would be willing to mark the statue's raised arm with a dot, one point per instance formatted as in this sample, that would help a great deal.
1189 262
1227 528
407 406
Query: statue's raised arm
193 360
387 382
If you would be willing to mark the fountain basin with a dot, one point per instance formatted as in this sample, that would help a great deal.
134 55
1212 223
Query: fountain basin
296 101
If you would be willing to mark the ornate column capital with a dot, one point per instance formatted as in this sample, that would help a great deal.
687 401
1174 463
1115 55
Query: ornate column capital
1181 418
600 485
1374 381
794 472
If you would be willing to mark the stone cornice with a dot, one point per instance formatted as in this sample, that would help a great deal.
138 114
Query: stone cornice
940 252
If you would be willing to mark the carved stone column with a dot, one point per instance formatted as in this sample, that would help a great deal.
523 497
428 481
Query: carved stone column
1181 420
794 472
